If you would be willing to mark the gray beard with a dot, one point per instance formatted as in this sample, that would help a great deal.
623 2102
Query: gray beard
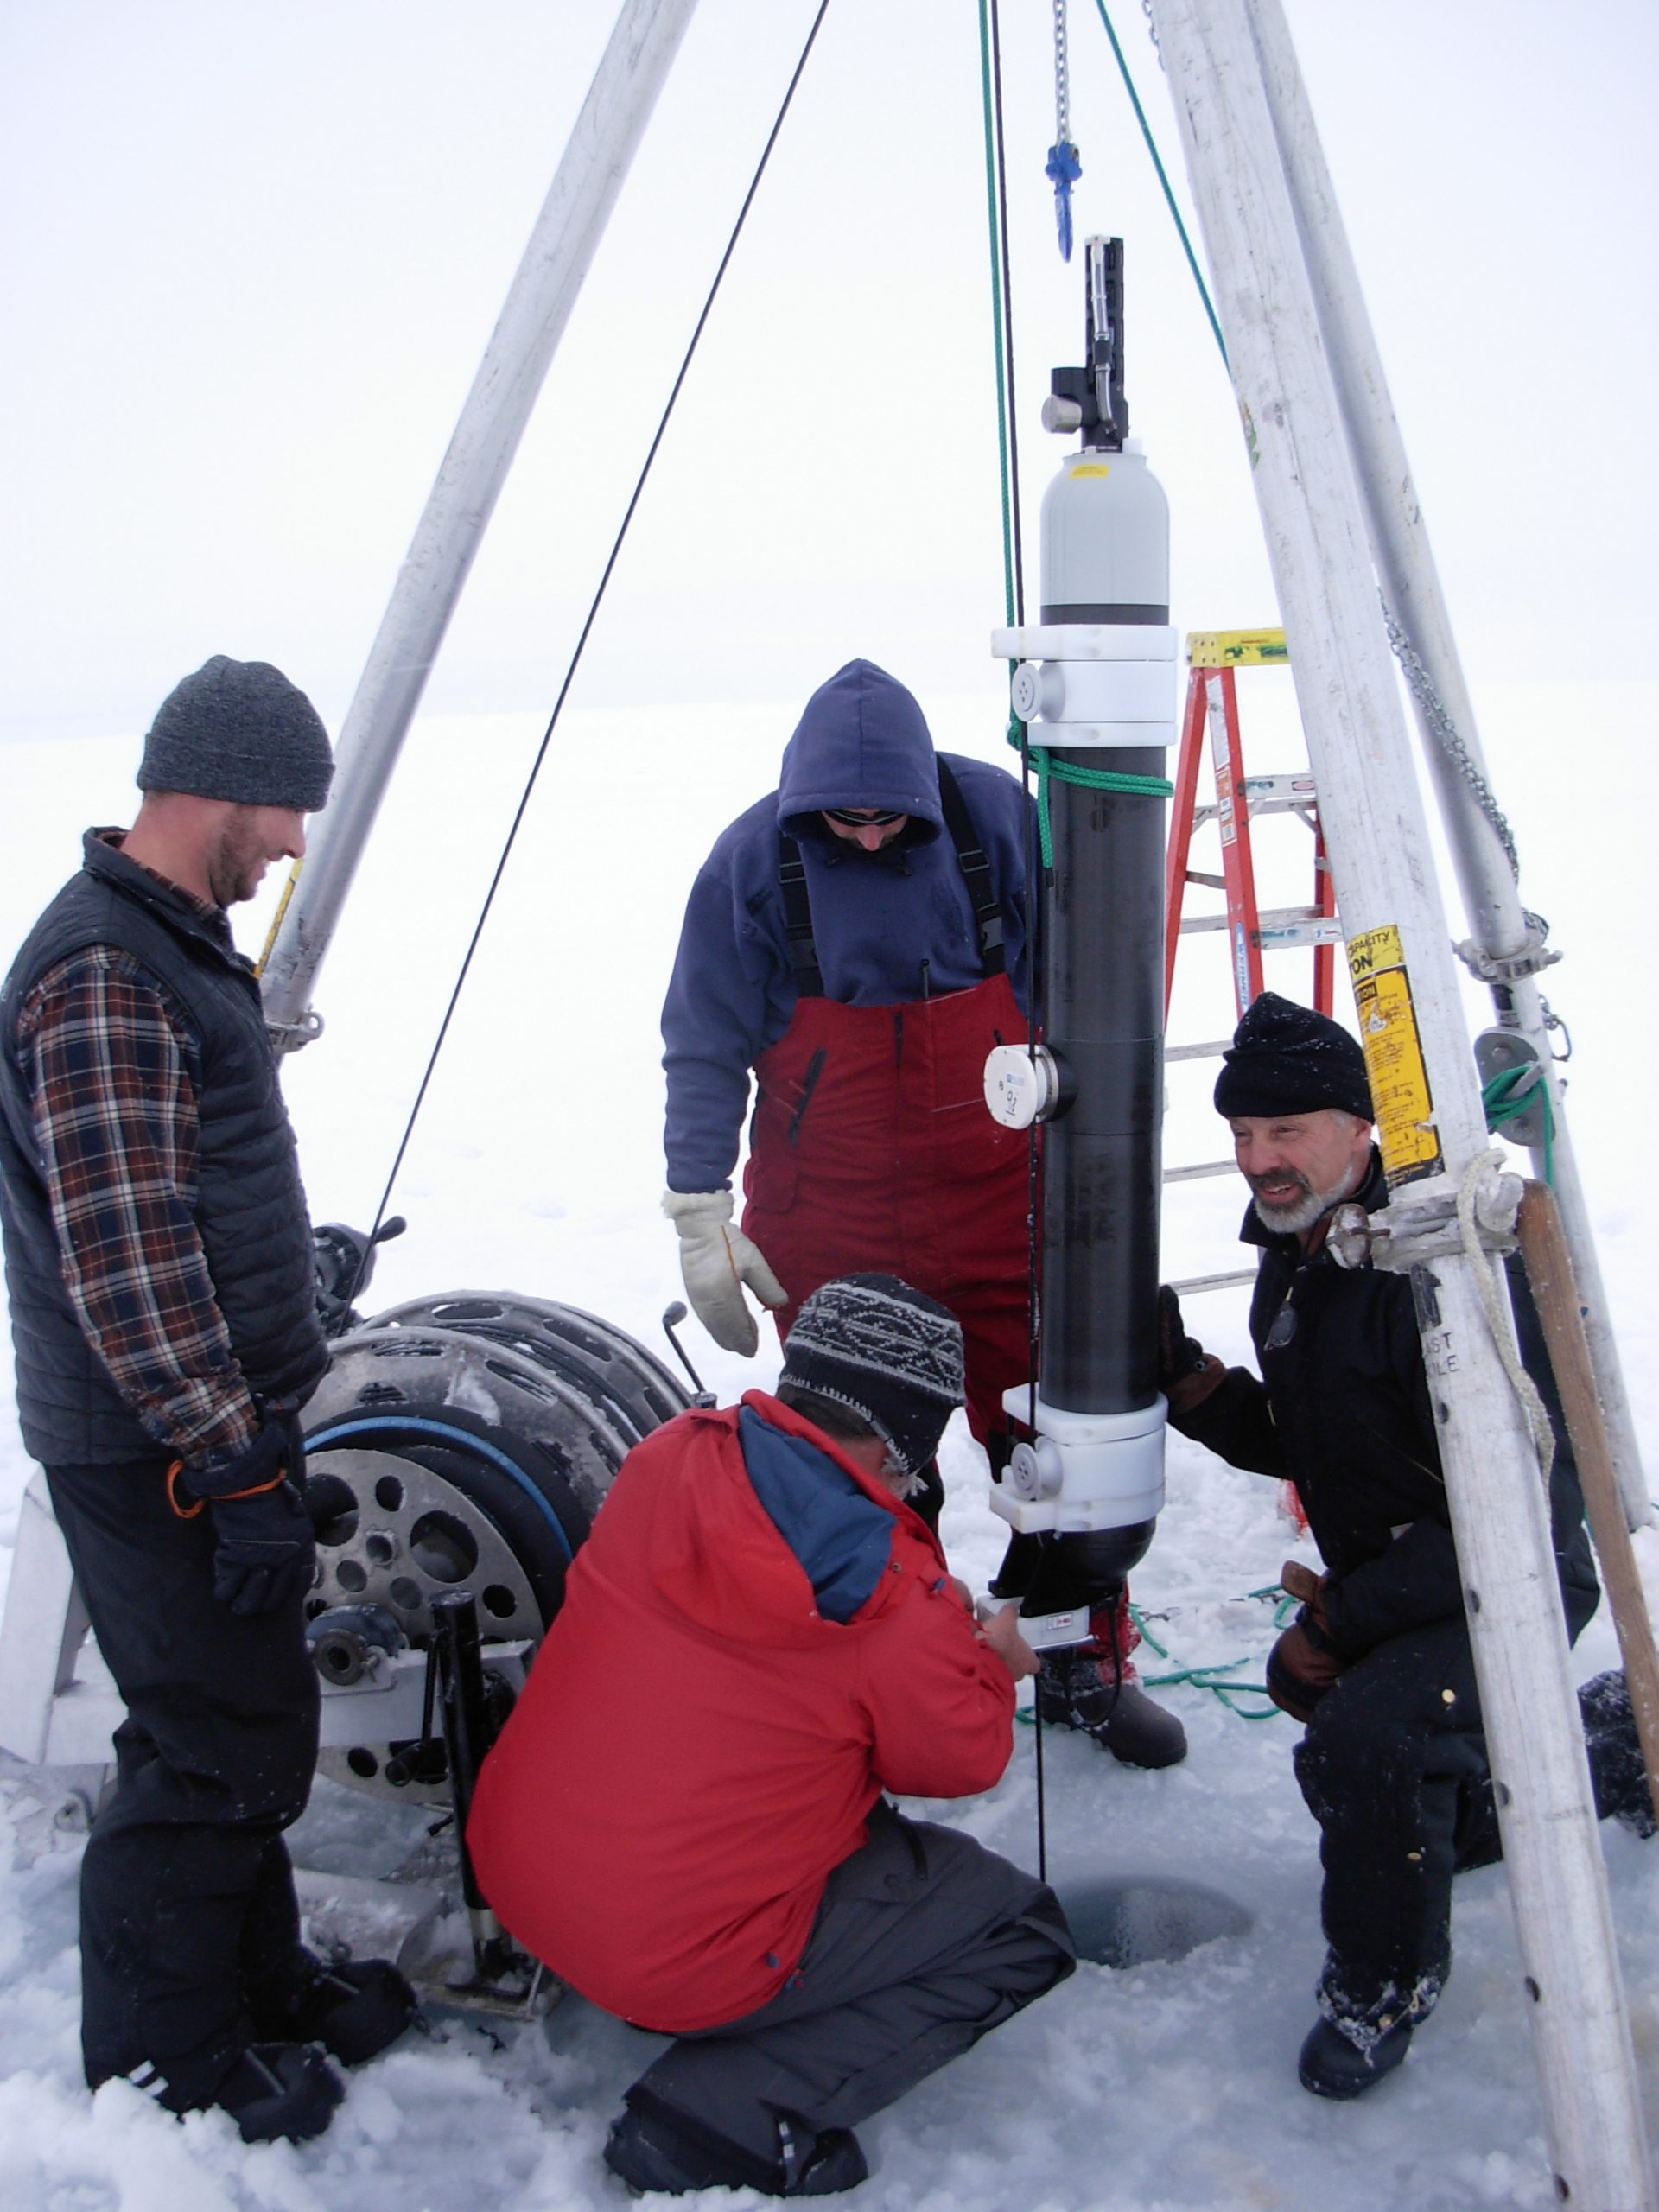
1292 1220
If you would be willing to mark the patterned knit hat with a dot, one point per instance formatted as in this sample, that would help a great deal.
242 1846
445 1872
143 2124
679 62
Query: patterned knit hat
238 729
889 1353
1286 1060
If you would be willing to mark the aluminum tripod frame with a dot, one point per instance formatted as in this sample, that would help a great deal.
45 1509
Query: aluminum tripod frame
1319 545
1405 562
606 136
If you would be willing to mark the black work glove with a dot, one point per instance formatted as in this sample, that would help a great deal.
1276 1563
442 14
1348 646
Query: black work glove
265 1554
1179 1355
1186 1373
1304 1662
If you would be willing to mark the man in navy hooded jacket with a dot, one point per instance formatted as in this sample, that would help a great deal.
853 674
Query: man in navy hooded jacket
858 939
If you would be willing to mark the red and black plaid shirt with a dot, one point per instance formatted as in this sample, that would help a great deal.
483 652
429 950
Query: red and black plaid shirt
115 1116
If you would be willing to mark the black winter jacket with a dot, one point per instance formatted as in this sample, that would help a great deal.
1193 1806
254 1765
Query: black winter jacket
1342 1410
249 1207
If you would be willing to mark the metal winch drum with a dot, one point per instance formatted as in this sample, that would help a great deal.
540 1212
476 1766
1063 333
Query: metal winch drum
461 1442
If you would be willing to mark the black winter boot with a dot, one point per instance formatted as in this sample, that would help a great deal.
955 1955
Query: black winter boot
354 2009
654 2147
275 2092
1076 1690
1332 2065
1617 1771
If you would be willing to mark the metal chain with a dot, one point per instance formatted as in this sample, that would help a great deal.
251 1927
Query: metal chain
1062 79
1445 732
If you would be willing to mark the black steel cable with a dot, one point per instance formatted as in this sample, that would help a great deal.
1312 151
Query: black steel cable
582 641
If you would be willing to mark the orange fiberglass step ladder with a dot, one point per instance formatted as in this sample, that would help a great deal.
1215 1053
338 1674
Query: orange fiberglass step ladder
1214 658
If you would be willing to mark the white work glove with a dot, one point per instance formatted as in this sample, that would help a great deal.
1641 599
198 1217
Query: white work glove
716 1262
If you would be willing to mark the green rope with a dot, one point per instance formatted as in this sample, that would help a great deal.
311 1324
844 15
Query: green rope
1210 1678
1169 197
1214 1677
996 308
1094 780
1510 1094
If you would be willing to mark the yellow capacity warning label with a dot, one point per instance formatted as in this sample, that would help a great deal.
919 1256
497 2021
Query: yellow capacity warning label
1409 1142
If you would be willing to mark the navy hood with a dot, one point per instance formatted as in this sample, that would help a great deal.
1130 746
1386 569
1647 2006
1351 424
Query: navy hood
842 1539
862 740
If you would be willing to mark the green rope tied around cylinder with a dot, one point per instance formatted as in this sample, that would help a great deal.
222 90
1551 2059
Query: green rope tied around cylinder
1094 780
1510 1094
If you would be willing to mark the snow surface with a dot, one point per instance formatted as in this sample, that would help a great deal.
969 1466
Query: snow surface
536 1167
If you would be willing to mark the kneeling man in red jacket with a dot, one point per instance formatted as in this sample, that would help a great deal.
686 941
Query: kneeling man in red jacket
715 1858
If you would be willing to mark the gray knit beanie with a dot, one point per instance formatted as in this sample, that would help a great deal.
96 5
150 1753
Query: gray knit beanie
890 1353
238 729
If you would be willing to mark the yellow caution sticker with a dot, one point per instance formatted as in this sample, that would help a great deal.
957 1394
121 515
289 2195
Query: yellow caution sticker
1090 468
1406 1134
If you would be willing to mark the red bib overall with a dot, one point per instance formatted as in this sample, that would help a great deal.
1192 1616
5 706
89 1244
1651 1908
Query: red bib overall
871 1150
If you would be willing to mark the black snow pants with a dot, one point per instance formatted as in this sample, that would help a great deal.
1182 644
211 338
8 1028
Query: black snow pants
188 1925
924 1942
1394 1768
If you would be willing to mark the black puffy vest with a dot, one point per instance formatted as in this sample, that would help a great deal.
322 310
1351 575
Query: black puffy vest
249 1208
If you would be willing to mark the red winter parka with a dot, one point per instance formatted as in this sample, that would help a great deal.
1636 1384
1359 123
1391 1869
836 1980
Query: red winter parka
701 1741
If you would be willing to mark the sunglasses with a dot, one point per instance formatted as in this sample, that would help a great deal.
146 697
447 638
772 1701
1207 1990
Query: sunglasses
864 817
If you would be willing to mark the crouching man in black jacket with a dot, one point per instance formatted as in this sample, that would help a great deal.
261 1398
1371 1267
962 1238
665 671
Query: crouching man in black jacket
1377 1663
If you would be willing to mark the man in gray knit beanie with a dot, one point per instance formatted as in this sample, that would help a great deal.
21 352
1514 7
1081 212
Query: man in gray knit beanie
160 1266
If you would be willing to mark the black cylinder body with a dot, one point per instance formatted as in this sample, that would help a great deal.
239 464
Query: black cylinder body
1103 971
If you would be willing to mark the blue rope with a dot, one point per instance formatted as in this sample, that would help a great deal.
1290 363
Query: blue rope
1063 169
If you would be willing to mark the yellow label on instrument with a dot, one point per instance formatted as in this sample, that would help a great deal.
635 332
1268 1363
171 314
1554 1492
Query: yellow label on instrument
1090 468
1403 1109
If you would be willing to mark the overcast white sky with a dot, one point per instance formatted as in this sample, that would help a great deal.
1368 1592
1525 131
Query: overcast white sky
253 254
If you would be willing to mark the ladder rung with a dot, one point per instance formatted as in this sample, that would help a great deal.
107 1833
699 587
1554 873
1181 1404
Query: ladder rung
1209 882
1193 1174
1277 926
1198 1052
1195 1283
1268 795
1294 925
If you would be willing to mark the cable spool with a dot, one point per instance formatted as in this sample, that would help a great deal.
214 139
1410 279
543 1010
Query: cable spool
473 1455
633 1385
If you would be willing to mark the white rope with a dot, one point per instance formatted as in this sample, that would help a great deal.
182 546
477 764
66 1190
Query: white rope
1493 1305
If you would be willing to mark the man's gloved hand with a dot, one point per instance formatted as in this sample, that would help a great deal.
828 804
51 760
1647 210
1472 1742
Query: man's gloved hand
1305 1662
1186 1373
1179 1355
716 1263
265 1554
1300 1582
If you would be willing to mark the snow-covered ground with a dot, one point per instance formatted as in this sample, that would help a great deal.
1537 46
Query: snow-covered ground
1166 2087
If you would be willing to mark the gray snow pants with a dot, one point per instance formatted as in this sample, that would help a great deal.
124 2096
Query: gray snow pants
924 1942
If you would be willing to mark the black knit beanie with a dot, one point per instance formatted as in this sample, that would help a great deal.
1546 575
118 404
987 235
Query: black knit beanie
888 1352
1287 1060
238 729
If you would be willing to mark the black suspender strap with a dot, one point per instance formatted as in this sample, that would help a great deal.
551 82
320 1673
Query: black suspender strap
976 865
797 920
